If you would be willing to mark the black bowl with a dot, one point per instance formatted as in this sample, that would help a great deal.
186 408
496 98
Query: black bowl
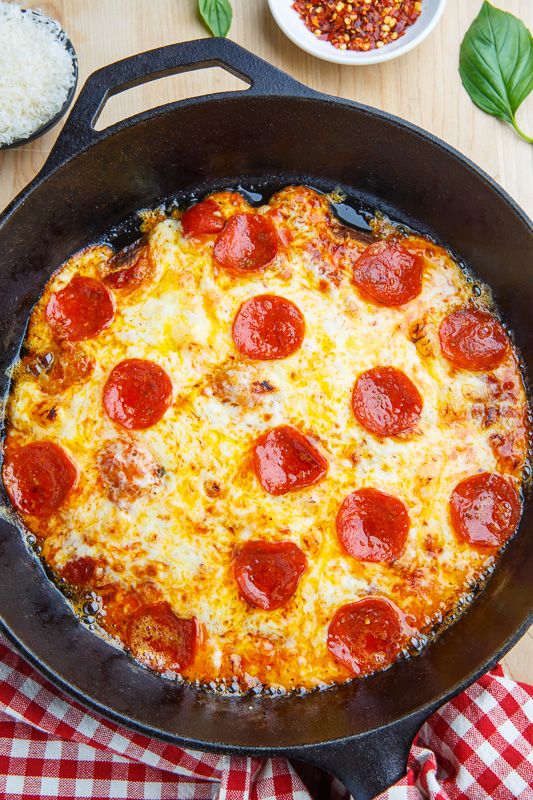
62 111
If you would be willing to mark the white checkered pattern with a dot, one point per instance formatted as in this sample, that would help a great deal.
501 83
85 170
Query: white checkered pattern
478 746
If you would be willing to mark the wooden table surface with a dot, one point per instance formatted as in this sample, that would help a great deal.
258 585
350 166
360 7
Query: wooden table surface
423 87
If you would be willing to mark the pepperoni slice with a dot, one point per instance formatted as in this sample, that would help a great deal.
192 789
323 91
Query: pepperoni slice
473 339
56 371
268 573
81 571
372 525
365 636
38 477
285 460
268 327
386 402
485 510
130 267
388 274
204 217
161 640
137 393
127 470
248 243
81 310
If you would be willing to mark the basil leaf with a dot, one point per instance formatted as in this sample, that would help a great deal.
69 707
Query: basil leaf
217 15
496 63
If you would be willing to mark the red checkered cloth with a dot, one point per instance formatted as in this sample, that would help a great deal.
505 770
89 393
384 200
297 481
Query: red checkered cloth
477 746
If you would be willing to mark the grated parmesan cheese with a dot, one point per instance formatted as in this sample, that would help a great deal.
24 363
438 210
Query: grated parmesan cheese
36 71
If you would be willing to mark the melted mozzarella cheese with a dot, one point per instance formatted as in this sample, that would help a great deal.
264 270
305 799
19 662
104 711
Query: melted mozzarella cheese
178 534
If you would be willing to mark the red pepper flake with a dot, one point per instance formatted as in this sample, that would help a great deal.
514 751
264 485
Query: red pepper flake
360 24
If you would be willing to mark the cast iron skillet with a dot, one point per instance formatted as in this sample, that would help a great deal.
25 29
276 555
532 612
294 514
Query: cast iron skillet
278 132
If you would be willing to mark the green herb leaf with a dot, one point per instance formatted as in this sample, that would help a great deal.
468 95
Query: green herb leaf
217 15
496 63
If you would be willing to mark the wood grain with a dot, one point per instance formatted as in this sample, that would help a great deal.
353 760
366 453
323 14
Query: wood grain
423 87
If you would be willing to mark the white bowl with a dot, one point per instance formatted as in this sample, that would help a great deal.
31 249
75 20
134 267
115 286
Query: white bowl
294 27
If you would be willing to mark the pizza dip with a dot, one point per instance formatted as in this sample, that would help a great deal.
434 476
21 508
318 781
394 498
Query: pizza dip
258 449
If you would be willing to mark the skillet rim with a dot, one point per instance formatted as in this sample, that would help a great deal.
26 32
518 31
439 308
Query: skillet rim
419 715
47 170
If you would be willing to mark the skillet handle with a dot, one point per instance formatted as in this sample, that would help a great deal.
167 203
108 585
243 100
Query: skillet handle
371 763
78 132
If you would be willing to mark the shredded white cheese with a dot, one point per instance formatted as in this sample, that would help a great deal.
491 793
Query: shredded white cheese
36 71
